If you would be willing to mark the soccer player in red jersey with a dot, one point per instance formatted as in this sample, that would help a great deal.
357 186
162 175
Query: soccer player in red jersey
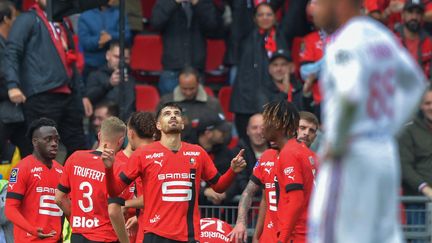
171 173
30 198
93 215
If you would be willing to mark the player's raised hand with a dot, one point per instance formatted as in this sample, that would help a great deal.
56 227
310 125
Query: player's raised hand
238 163
107 157
41 235
238 234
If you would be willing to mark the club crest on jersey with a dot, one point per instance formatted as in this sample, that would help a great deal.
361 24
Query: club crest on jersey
288 170
13 175
192 161
343 57
311 160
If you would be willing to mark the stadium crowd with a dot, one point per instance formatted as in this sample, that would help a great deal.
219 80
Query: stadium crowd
62 97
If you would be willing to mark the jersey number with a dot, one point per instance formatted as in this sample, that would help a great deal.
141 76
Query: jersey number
272 201
48 207
207 222
381 89
170 188
87 189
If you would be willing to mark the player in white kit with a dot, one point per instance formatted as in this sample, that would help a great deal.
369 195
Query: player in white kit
371 87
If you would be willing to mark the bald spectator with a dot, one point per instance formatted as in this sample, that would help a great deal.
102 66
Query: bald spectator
193 99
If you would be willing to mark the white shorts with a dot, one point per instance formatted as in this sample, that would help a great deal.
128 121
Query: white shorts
357 199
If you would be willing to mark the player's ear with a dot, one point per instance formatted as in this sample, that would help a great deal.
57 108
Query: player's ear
99 136
158 125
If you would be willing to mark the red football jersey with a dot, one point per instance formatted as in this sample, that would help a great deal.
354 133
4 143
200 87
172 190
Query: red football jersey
214 231
171 182
84 179
312 51
34 184
264 175
295 171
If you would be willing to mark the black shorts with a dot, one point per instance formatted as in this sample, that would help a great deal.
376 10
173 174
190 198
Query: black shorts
78 238
153 238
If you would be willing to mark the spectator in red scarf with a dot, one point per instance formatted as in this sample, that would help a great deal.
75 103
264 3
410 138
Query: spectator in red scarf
40 72
253 86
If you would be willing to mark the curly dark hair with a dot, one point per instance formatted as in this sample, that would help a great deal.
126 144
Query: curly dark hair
36 124
143 123
282 115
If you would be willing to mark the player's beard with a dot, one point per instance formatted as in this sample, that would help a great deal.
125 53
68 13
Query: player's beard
413 26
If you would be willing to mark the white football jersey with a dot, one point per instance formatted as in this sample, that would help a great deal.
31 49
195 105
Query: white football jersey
366 65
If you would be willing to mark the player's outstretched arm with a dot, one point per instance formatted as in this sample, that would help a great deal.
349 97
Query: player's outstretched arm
13 213
238 163
114 185
239 233
260 221
118 222
135 203
63 202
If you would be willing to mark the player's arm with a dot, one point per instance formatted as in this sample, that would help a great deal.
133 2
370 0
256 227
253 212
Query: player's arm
221 184
239 233
63 202
135 203
260 221
117 219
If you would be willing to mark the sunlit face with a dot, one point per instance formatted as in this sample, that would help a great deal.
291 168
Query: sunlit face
170 121
307 132
265 17
426 106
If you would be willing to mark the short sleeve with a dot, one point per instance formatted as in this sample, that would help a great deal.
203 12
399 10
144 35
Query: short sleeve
17 183
307 53
289 173
257 175
209 172
64 184
133 168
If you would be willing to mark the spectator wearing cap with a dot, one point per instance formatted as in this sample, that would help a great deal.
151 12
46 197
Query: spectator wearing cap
413 35
212 132
253 86
193 99
184 25
281 70
96 29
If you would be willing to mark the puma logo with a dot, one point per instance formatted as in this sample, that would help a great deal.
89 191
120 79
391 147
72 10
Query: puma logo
38 176
11 186
291 177
267 170
158 162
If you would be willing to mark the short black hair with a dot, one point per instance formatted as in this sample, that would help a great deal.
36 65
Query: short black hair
5 10
36 124
116 43
190 71
168 104
143 123
113 108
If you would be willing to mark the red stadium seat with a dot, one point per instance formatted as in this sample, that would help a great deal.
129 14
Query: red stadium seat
214 61
209 91
224 99
146 53
147 98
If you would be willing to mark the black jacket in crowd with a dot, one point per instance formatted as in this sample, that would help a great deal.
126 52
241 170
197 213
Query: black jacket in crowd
183 45
100 89
253 86
32 62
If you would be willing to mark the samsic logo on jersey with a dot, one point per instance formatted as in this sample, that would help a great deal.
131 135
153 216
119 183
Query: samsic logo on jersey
154 156
176 176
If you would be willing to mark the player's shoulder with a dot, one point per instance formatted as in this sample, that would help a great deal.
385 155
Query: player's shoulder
192 149
26 162
269 153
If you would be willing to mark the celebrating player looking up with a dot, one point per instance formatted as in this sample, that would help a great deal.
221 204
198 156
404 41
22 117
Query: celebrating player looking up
93 215
371 87
30 198
171 173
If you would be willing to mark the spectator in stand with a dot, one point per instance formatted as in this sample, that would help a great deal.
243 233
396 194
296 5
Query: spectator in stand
12 125
308 128
311 53
40 71
104 84
211 132
297 13
414 37
416 160
96 29
135 16
102 111
254 147
253 86
281 69
386 11
193 99
184 25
